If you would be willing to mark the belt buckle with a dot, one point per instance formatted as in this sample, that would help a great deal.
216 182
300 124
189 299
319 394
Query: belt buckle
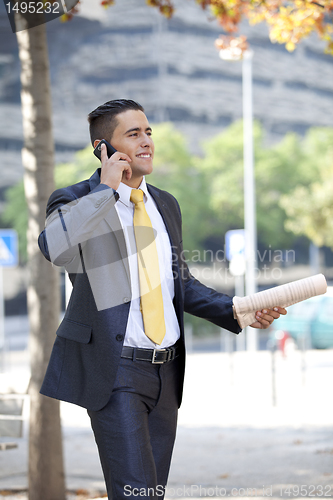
155 351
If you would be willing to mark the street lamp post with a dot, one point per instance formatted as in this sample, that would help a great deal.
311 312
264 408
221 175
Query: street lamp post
234 53
249 191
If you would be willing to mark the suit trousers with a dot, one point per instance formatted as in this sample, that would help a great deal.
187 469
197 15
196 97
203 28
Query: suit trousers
135 431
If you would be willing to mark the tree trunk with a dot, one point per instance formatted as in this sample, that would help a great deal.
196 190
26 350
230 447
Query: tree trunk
46 473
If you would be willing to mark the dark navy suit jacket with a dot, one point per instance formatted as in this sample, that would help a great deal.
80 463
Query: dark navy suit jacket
84 234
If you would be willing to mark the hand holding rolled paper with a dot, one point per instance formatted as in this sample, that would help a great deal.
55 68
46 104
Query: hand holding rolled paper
283 296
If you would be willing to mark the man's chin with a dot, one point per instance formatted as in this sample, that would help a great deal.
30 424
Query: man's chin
149 172
145 170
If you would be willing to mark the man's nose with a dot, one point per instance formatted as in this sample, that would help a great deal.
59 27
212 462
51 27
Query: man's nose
146 142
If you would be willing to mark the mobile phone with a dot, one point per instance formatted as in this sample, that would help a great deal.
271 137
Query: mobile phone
110 150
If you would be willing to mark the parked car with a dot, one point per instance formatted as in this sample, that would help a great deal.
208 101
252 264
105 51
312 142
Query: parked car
310 321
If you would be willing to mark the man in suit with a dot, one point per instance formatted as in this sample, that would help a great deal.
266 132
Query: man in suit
106 356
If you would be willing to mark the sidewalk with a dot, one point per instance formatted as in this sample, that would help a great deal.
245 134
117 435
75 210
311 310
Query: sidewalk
231 440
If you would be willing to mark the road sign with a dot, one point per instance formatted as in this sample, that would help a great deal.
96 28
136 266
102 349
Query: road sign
8 247
235 243
235 252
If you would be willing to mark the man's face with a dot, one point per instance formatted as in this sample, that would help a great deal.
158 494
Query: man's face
132 136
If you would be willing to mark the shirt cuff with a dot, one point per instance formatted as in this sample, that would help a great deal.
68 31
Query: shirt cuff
235 314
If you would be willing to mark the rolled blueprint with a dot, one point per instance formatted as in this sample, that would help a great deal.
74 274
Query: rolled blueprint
282 296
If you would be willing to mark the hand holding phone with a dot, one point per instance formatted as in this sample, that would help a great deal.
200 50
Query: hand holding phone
114 170
109 149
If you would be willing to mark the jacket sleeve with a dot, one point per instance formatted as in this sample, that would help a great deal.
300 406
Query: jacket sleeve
71 221
209 304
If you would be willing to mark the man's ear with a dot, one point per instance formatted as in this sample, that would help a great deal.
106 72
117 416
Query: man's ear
96 142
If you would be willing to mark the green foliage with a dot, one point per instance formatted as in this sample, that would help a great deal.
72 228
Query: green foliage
175 171
294 176
222 166
81 167
309 207
16 211
278 170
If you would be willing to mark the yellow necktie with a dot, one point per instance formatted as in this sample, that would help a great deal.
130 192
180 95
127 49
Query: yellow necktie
149 273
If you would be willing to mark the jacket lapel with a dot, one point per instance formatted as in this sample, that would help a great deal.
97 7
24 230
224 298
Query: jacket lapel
173 227
166 214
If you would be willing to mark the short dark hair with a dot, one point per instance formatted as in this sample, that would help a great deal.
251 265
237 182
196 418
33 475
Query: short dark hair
103 121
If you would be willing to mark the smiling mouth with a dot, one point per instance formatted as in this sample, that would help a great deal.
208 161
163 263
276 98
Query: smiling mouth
144 155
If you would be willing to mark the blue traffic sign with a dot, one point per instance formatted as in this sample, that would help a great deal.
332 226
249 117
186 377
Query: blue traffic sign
234 243
8 248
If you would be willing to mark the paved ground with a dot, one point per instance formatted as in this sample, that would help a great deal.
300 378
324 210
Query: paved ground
232 441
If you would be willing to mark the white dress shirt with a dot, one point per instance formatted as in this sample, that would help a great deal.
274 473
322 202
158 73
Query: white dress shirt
135 335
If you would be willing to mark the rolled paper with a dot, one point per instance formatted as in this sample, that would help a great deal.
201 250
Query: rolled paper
279 296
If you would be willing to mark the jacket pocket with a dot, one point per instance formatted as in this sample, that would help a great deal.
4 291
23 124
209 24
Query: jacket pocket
72 330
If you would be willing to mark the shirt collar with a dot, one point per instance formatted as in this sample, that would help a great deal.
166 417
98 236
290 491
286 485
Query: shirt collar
124 192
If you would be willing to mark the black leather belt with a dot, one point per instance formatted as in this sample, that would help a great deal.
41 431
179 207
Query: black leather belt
155 356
